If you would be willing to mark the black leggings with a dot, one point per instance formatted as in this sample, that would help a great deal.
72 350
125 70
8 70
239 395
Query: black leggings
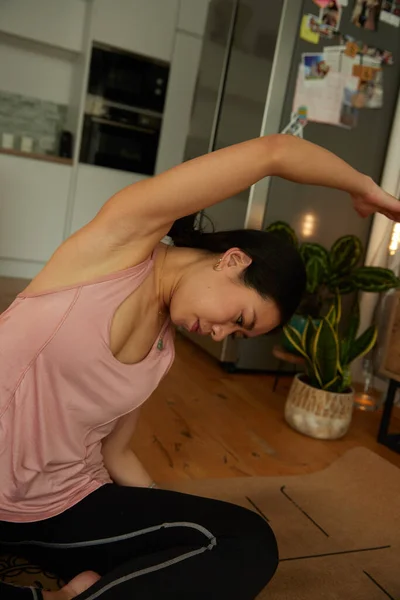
148 544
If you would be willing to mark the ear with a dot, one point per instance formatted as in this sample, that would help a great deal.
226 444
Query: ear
236 258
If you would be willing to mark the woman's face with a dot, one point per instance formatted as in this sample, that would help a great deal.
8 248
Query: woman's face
210 299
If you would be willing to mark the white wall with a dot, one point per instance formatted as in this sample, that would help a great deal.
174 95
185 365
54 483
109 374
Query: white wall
55 22
35 74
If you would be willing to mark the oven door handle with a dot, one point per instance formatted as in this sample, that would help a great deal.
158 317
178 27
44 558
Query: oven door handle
121 125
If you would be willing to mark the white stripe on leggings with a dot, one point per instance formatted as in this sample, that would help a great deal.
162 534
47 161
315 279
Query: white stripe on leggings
148 570
35 594
116 538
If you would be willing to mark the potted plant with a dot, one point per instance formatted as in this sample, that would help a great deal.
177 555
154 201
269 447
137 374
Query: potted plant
320 401
329 272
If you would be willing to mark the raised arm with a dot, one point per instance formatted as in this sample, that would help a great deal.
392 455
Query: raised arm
148 208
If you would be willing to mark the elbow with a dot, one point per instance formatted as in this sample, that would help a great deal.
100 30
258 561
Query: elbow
276 148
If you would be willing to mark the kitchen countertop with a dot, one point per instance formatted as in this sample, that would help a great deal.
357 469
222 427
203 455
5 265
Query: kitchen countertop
37 156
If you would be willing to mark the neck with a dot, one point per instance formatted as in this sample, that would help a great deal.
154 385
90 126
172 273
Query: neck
171 265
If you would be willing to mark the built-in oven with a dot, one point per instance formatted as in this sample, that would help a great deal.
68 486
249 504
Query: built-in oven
119 137
124 110
127 78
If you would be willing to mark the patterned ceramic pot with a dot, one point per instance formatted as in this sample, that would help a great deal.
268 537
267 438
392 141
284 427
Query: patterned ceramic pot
318 413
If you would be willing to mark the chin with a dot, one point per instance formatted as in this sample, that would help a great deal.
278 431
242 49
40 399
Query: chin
179 323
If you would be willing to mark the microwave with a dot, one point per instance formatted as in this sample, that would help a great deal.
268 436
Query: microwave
128 79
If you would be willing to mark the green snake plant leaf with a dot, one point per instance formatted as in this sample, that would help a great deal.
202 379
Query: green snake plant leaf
344 352
308 336
331 316
363 344
338 306
354 323
294 338
326 351
332 385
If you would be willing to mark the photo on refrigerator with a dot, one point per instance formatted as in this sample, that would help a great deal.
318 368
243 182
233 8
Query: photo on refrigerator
315 66
366 14
391 12
331 14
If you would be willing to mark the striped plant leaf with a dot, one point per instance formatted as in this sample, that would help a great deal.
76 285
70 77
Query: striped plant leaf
345 254
308 251
344 284
375 279
282 228
315 274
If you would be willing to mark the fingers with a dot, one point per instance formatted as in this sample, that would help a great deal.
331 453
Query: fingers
390 203
391 215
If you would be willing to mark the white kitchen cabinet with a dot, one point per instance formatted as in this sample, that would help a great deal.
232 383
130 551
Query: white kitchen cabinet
94 186
193 16
35 75
181 88
54 22
33 203
143 26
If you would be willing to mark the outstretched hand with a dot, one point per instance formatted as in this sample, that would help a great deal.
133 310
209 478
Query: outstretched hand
377 200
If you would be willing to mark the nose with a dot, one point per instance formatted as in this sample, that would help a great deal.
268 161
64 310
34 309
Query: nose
220 332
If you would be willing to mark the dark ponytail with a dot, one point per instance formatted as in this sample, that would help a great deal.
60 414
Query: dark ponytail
276 272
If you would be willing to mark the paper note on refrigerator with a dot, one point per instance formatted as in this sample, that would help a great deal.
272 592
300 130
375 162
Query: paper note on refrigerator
323 98
338 61
309 29
333 57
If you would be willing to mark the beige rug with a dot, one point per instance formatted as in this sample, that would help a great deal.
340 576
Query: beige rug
338 530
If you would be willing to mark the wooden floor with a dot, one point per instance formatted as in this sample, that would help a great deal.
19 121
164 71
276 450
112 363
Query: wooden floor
204 423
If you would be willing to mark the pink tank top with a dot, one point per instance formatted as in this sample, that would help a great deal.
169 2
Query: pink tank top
62 391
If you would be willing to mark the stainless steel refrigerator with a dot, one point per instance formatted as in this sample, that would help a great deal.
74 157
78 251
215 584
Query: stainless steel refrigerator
245 88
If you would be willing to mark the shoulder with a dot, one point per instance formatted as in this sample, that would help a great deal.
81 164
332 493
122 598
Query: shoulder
88 255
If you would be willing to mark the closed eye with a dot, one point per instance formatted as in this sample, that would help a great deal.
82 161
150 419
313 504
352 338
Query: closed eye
240 322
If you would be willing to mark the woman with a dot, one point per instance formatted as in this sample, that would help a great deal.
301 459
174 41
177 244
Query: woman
90 339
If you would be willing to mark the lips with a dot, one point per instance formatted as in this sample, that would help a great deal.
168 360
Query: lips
195 327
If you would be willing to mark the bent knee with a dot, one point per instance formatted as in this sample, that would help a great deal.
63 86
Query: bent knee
255 532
